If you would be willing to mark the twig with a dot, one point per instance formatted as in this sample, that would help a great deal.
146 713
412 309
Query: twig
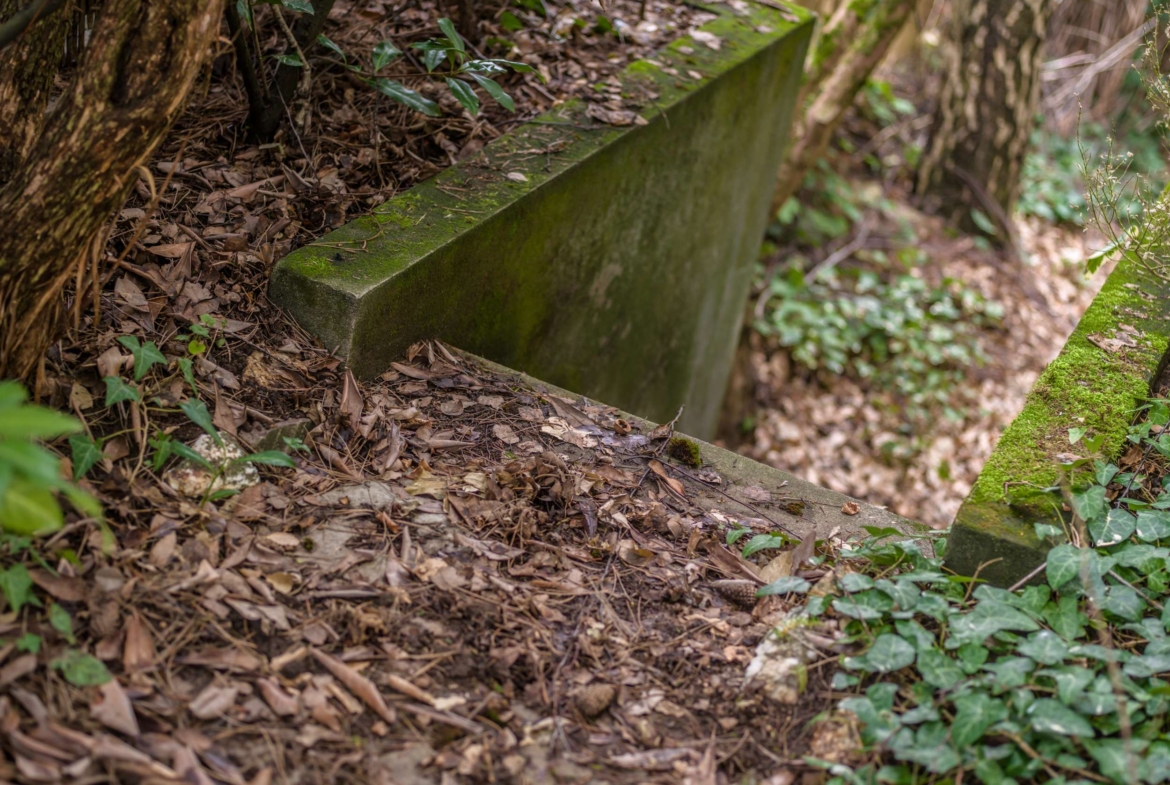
1039 569
833 259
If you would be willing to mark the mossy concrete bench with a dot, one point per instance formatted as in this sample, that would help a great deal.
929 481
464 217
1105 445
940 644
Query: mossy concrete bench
1100 377
613 261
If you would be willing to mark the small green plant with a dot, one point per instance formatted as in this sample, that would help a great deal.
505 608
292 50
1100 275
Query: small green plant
903 334
445 56
30 475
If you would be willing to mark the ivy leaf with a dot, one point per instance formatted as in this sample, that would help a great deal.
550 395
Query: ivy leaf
1070 681
888 653
762 542
988 618
1045 647
407 97
1010 672
86 453
1090 504
81 670
16 584
1124 602
146 355
868 605
853 582
244 9
196 411
1153 525
1064 564
62 622
465 95
789 584
1116 526
291 59
1047 715
118 391
30 642
494 90
939 670
384 52
1065 618
183 451
300 6
977 712
1116 762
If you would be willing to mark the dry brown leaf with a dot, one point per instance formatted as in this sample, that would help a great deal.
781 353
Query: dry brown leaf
780 567
281 703
18 668
505 434
138 652
213 701
351 400
673 484
61 587
112 708
804 551
357 684
851 508
406 688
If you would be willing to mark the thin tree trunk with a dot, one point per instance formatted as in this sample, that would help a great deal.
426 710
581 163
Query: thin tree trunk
265 120
853 41
142 60
986 111
27 68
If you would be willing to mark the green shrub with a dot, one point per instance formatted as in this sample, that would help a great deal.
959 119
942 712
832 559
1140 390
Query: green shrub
30 475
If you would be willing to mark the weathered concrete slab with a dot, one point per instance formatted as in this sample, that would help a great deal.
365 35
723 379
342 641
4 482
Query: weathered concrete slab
1099 378
796 504
614 261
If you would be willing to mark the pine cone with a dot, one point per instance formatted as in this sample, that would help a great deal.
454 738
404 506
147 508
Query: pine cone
739 592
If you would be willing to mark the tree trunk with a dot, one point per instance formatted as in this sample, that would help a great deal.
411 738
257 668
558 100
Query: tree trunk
851 44
27 68
143 57
282 91
986 111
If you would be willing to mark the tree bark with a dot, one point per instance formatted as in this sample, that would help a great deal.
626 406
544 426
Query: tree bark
850 45
141 62
27 68
986 111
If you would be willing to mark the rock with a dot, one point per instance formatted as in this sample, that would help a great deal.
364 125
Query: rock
595 698
191 479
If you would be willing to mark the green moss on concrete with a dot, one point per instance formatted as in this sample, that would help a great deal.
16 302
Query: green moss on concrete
1086 387
685 451
617 265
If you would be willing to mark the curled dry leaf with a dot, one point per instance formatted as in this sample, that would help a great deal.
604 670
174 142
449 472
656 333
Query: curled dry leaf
358 684
851 508
281 703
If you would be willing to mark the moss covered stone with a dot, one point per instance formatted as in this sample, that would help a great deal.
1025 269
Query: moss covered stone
1096 382
685 451
613 261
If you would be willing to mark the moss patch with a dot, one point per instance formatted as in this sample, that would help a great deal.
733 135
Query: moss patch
684 451
1086 386
610 260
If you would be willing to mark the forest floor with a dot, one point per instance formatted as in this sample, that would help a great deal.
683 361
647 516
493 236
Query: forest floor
462 579
852 435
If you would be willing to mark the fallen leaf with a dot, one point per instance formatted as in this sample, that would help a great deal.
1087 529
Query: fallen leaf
780 567
673 484
757 494
357 684
505 434
138 652
214 701
851 508
112 708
